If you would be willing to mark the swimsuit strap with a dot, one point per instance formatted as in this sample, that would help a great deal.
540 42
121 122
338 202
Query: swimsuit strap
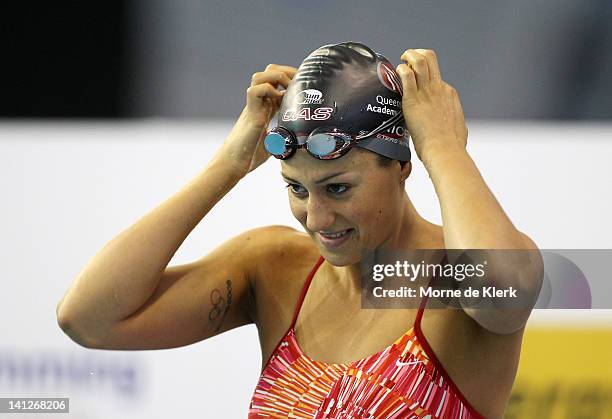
306 286
305 290
419 316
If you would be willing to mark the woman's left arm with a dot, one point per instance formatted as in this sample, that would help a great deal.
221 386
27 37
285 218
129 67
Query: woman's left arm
472 217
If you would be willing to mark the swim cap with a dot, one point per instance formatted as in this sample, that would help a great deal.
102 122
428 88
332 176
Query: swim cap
350 87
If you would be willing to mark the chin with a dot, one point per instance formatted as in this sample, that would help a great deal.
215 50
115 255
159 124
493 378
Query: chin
339 258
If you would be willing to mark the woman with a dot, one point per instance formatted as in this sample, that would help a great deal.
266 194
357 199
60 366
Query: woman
346 166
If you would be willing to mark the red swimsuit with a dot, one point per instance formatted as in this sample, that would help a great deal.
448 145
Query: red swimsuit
404 380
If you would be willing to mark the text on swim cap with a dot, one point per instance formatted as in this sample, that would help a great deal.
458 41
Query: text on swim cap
319 114
381 100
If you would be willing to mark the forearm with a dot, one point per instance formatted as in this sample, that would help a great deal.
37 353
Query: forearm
122 276
472 217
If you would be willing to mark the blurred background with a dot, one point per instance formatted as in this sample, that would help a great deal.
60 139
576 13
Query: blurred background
542 59
109 108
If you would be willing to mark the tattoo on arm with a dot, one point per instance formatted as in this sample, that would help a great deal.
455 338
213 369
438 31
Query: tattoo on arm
220 307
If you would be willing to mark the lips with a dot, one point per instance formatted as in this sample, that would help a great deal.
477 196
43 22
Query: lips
335 238
334 235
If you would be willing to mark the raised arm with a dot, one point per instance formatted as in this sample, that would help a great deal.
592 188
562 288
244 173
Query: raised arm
471 215
127 283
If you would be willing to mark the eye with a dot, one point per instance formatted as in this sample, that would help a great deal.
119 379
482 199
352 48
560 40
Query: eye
296 189
337 188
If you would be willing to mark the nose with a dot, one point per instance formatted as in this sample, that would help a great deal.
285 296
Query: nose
319 214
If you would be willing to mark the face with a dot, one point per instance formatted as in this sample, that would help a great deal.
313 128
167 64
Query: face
347 205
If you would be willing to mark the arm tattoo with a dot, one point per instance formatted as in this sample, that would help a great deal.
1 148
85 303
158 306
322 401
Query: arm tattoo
220 307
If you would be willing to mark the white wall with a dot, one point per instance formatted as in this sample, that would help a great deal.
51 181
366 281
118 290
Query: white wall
69 188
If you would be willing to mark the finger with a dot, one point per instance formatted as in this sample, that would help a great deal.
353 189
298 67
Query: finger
273 77
279 99
419 66
290 71
257 94
432 64
409 83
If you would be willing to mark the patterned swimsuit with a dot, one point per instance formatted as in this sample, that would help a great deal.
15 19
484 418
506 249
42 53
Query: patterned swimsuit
404 380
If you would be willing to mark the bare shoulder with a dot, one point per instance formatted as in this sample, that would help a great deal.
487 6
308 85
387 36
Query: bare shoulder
280 265
280 239
277 253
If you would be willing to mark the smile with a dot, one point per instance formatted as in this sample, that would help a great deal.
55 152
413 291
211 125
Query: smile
335 239
334 235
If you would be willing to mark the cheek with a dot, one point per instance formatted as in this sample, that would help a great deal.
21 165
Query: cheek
359 215
378 215
365 217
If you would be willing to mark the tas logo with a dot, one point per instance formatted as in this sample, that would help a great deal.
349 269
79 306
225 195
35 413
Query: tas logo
388 77
319 114
309 97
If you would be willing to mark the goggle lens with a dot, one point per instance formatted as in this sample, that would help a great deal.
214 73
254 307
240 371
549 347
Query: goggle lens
322 144
276 144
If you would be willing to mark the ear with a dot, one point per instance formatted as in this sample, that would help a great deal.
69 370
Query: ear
405 171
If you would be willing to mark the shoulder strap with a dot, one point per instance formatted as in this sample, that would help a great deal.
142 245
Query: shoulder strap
305 290
419 316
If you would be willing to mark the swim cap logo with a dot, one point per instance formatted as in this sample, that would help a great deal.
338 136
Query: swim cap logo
319 114
388 77
309 97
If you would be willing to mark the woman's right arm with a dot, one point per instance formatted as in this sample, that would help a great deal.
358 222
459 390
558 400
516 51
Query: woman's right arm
127 298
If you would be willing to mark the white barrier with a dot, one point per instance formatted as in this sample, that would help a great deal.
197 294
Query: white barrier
67 189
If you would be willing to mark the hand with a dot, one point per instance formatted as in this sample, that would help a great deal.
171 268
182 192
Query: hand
244 147
432 109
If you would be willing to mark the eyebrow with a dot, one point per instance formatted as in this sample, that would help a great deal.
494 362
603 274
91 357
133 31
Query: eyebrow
318 181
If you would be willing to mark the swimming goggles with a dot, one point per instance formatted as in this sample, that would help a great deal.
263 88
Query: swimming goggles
323 143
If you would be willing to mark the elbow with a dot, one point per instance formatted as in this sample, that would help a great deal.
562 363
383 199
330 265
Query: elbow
509 293
67 325
499 321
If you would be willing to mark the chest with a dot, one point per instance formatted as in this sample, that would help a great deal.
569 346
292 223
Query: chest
335 329
340 331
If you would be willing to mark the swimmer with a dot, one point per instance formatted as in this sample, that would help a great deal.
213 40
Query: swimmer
344 121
